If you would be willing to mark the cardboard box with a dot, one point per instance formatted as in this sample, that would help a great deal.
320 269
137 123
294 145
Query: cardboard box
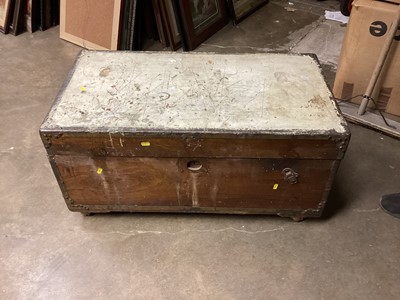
390 1
366 33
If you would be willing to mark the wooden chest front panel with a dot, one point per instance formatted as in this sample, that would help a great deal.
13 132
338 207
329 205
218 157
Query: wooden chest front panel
181 184
195 145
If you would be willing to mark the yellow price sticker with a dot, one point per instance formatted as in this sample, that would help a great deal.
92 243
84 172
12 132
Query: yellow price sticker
145 144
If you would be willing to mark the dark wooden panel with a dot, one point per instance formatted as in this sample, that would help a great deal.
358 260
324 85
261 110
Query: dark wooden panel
117 181
212 184
264 176
249 183
118 144
194 35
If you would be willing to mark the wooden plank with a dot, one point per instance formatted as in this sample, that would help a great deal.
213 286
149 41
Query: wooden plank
236 184
370 120
153 145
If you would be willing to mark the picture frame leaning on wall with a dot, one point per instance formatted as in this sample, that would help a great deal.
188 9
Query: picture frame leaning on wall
5 9
241 9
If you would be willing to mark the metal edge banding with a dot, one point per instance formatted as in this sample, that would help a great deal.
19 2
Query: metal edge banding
68 201
277 134
188 209
342 142
44 132
328 187
59 95
345 145
127 131
332 97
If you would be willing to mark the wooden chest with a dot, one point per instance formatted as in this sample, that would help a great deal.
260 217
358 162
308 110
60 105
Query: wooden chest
198 132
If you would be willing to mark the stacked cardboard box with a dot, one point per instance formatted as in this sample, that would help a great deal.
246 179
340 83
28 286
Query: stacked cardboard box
392 1
366 33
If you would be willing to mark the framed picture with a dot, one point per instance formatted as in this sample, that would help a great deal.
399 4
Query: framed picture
240 9
200 19
171 26
91 24
5 8
130 33
126 21
44 14
18 17
162 34
32 16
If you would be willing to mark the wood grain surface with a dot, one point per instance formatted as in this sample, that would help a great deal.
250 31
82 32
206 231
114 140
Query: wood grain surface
117 144
218 183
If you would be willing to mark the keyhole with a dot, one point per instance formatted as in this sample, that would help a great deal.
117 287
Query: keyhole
194 165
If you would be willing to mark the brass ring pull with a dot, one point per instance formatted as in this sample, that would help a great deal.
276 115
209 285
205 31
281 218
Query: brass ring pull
194 165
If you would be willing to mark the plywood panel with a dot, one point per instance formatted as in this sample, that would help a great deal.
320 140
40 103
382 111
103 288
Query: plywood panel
91 24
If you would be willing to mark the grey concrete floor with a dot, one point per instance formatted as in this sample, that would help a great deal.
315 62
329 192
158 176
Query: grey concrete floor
47 252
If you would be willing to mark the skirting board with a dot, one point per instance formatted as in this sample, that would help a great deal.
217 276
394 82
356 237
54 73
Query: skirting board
370 120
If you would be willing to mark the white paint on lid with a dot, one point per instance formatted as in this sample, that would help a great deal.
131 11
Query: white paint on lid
196 92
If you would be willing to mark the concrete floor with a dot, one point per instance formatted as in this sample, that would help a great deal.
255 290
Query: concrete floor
47 252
